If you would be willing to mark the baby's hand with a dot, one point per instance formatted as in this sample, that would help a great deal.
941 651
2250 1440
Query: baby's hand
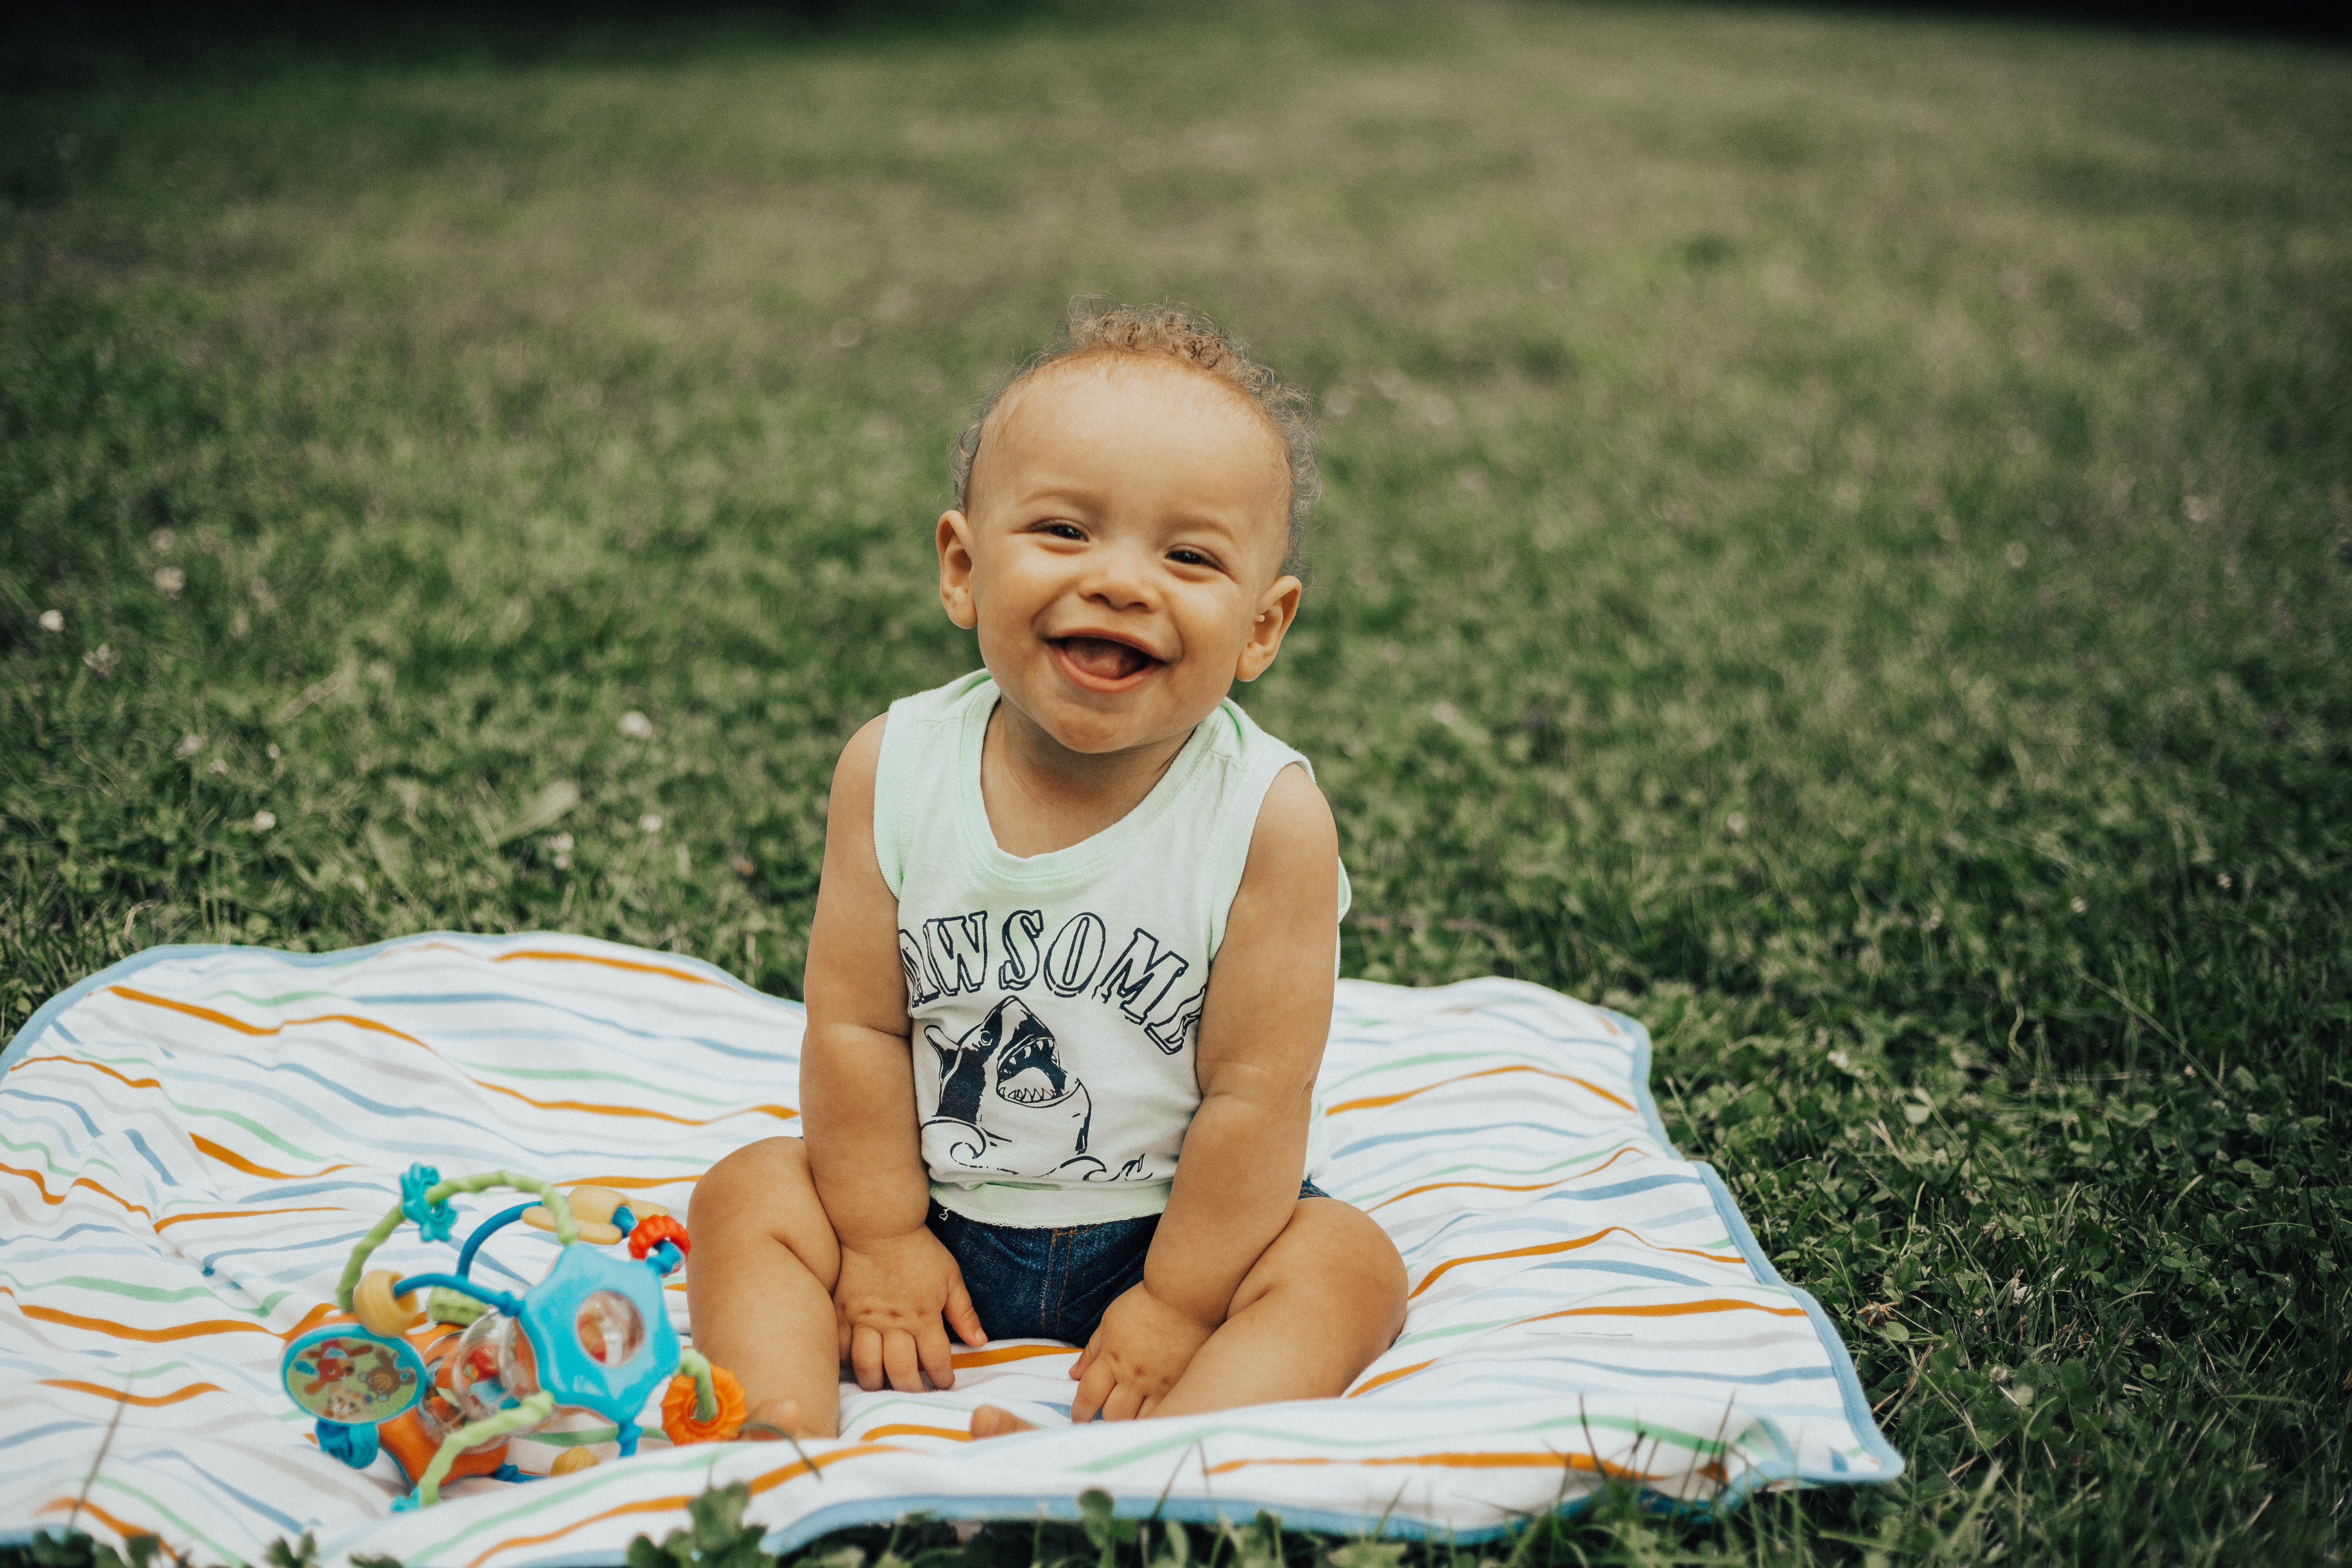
1136 1356
888 1304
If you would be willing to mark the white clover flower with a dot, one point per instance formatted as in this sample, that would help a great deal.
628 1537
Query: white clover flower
101 661
636 726
2078 906
563 862
160 541
189 746
1738 823
263 821
218 769
560 844
170 580
649 823
53 620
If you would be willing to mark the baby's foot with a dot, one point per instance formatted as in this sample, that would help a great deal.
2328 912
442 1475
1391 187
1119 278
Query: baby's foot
777 1421
992 1421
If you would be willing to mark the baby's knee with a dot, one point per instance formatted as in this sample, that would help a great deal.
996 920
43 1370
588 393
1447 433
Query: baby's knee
1339 1255
1370 1274
752 1179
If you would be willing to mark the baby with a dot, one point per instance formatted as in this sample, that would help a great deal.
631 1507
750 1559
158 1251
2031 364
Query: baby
1071 970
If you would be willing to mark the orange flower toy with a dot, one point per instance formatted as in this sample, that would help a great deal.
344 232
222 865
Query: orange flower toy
444 1400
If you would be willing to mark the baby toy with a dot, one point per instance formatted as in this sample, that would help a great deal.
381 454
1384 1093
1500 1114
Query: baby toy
444 1388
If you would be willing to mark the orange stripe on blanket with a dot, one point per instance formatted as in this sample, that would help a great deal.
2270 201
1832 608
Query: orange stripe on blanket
231 1157
645 1505
1466 1461
905 1429
125 1331
244 1213
767 1482
781 1113
311 1320
547 955
1010 1353
94 1067
1367 1104
1668 1309
1498 1186
206 1145
42 1187
127 1532
122 1397
1392 1376
210 1016
625 1180
1568 1246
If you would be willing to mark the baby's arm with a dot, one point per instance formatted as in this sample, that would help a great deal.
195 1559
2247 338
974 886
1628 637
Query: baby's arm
857 1105
1268 1014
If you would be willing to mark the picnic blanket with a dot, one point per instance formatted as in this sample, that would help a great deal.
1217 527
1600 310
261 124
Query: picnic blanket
191 1141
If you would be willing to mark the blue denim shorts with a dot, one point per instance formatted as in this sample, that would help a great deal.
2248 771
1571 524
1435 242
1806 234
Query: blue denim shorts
1048 1284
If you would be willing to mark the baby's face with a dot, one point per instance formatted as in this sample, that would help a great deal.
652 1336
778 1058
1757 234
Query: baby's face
1122 556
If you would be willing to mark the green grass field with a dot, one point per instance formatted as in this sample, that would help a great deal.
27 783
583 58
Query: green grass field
1837 541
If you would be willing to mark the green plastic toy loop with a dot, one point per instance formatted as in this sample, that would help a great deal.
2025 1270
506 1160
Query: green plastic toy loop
567 1229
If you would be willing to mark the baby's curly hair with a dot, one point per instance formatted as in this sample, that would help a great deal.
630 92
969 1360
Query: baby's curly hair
1098 327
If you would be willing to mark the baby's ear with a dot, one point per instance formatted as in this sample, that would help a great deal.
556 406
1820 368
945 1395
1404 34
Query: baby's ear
955 569
1276 610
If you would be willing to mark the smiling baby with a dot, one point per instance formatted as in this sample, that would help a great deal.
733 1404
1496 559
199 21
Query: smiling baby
1071 970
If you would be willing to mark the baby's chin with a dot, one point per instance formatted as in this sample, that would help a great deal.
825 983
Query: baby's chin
1093 726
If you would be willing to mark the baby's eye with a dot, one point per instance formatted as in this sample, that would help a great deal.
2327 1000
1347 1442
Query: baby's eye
1186 557
1064 531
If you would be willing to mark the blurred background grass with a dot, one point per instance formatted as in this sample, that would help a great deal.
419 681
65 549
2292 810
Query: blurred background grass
1835 540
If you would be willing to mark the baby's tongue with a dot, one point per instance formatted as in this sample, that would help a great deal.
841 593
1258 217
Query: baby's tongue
1103 658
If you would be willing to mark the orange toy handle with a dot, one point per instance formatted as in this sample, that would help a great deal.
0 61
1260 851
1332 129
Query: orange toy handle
651 1233
677 1409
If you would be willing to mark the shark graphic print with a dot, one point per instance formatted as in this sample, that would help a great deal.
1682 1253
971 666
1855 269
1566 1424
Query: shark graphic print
1008 1105
1006 1015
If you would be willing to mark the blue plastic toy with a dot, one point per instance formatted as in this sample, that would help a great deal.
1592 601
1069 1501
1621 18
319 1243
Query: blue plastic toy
592 1335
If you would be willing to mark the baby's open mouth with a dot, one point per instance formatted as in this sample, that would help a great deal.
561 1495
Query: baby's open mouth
1103 658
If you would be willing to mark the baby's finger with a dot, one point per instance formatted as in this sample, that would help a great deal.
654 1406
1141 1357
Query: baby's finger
1123 1404
965 1317
937 1357
898 1359
865 1356
1080 1367
1089 1400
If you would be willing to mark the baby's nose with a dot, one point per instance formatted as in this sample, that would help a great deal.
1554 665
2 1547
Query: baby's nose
1120 580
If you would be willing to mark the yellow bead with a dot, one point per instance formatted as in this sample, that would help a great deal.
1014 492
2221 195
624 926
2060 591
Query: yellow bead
595 1205
571 1461
379 1311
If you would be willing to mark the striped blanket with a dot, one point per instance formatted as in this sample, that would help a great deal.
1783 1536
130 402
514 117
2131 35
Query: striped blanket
191 1141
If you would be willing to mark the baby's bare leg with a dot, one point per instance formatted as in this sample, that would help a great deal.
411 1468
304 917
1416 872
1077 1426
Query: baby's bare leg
759 1285
1324 1299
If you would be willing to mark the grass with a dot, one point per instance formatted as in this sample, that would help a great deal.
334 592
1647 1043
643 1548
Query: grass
1837 541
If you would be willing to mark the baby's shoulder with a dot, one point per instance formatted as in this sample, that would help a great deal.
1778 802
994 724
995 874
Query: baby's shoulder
1294 827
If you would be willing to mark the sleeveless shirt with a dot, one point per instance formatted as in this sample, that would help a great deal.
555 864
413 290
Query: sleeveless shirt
1057 999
